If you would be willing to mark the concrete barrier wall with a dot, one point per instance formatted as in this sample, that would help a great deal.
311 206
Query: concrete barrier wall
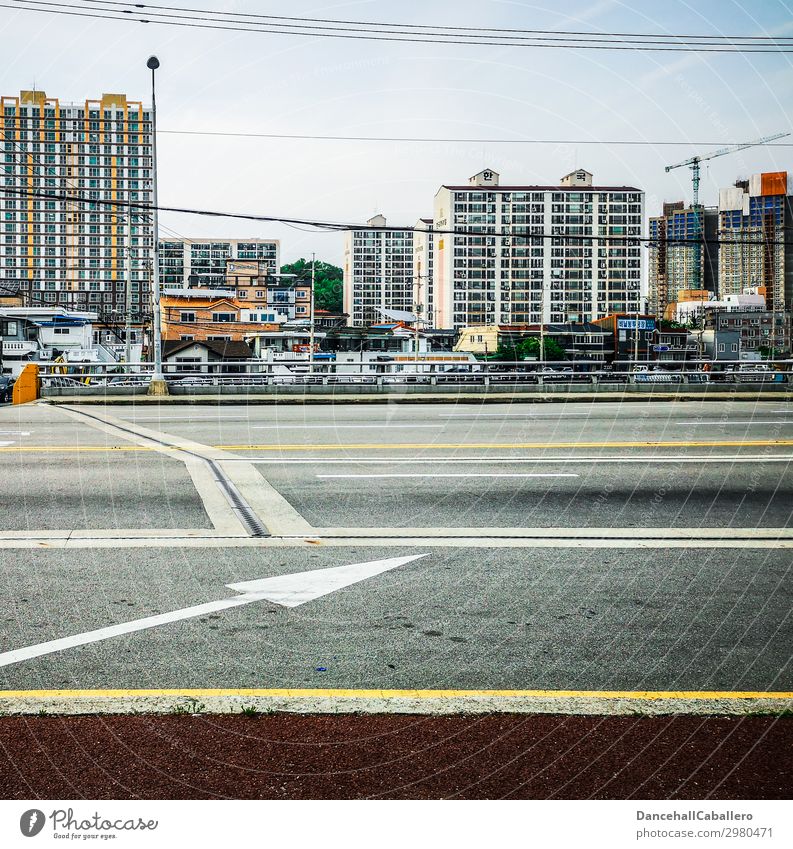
391 390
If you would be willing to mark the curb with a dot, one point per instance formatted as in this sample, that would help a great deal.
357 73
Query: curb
424 702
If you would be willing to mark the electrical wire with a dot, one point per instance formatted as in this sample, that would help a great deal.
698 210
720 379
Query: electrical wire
332 226
195 22
415 26
111 122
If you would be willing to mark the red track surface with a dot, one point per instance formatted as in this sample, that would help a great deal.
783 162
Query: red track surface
299 757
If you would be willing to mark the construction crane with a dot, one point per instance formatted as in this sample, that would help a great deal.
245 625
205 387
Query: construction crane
693 163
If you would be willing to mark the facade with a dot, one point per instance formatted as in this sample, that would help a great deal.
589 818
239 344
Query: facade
202 262
213 315
378 272
46 333
423 269
69 250
633 336
756 238
683 253
759 330
532 254
206 357
255 283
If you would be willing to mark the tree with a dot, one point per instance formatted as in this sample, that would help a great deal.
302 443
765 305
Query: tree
530 348
328 286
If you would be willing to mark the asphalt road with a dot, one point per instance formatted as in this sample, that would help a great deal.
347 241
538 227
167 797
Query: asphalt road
491 619
479 616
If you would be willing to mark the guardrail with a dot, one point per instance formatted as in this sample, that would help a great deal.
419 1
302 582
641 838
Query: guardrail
251 374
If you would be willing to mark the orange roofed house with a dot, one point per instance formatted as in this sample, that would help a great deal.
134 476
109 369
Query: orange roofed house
214 315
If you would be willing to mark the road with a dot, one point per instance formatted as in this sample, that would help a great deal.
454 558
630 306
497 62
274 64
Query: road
565 547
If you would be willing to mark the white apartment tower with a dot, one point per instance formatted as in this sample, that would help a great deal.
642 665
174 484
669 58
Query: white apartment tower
378 272
202 262
63 241
423 271
531 254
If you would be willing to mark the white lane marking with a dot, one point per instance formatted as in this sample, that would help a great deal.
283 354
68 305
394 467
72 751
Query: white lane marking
476 415
733 422
372 426
14 433
387 461
4 444
285 590
465 475
182 418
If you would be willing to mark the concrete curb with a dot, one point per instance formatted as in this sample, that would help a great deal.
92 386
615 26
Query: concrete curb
642 704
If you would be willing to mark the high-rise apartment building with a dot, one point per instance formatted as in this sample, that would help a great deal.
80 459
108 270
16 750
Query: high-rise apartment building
378 272
756 238
683 253
423 268
526 254
202 262
63 240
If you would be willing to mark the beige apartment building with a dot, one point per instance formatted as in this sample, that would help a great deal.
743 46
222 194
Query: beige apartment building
63 241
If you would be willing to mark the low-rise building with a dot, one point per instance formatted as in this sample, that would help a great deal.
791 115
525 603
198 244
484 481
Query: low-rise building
207 356
214 315
633 336
760 331
256 283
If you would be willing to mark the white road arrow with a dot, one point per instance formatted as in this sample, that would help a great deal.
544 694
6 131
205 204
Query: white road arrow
285 590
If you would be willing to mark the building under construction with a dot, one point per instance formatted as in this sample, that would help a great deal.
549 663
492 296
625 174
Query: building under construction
683 253
755 239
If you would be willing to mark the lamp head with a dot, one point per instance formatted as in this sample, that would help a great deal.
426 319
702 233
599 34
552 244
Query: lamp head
153 62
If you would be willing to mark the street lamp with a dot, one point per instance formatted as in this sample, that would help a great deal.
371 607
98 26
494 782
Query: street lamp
157 386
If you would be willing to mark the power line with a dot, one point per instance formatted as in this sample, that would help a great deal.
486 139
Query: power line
370 26
308 137
423 26
341 227
194 22
428 139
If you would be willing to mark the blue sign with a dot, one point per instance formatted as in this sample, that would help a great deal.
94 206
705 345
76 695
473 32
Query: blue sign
660 347
630 323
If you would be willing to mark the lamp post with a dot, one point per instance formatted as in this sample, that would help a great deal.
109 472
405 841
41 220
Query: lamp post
157 386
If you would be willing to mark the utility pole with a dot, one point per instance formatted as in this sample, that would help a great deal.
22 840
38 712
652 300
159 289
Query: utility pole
542 323
416 308
128 293
311 316
636 341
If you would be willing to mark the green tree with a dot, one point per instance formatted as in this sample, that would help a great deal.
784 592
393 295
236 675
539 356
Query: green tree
328 286
530 347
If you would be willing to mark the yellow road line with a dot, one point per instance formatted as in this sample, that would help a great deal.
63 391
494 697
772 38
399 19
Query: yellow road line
447 445
644 695
336 446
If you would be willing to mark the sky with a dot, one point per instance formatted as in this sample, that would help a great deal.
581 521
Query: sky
262 83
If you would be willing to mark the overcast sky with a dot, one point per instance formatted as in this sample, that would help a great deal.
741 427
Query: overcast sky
248 82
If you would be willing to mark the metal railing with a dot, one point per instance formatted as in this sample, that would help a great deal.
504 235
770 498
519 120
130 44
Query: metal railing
256 373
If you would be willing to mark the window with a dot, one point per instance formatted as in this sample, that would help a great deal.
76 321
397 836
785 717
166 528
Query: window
223 316
61 331
188 317
721 347
734 347
186 338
